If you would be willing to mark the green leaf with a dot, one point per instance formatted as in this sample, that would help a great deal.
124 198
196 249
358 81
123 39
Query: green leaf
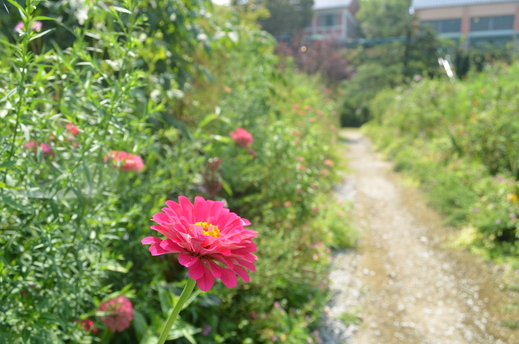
5 186
207 120
10 202
41 34
223 139
227 187
139 324
13 91
120 9
7 164
43 18
18 6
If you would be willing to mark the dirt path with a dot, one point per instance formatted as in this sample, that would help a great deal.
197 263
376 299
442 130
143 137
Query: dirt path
414 290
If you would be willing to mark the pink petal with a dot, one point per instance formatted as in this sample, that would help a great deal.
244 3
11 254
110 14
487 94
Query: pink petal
161 218
215 210
174 207
242 273
197 270
156 250
170 246
187 208
150 240
187 260
223 260
245 222
229 278
201 207
206 282
215 269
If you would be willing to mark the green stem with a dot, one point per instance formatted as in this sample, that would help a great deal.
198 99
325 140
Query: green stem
188 289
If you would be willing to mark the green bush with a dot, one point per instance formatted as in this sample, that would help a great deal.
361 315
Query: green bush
460 141
134 76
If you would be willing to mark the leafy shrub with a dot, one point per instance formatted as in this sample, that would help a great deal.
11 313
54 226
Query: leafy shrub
459 139
132 76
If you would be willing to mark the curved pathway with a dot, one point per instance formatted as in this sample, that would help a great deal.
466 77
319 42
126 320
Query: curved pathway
410 288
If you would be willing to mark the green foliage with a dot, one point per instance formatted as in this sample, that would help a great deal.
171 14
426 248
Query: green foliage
460 141
134 76
287 16
405 50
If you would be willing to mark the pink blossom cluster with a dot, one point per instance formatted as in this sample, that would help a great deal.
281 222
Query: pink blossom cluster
36 26
45 147
125 161
242 137
118 313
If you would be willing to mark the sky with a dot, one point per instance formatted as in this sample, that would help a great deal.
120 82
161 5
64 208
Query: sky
221 2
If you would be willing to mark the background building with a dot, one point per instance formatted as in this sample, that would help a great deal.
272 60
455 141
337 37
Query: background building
480 22
334 20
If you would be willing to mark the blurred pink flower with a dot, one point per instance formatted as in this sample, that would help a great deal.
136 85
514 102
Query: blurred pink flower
36 26
308 108
242 137
72 128
119 313
319 113
88 325
46 149
126 161
328 162
31 145
332 127
287 204
300 158
205 234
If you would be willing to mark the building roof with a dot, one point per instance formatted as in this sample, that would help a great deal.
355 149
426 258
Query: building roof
325 4
418 4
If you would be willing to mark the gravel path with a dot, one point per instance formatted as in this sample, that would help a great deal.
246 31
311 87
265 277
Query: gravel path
404 284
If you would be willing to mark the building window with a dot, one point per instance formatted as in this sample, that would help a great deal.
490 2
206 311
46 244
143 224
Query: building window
492 23
328 20
444 26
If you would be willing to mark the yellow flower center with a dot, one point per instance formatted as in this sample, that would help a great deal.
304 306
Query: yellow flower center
209 229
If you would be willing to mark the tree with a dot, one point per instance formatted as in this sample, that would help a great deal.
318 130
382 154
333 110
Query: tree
409 50
286 16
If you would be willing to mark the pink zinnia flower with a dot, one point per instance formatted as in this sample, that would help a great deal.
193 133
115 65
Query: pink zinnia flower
72 128
328 162
242 137
36 26
210 240
126 161
119 313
